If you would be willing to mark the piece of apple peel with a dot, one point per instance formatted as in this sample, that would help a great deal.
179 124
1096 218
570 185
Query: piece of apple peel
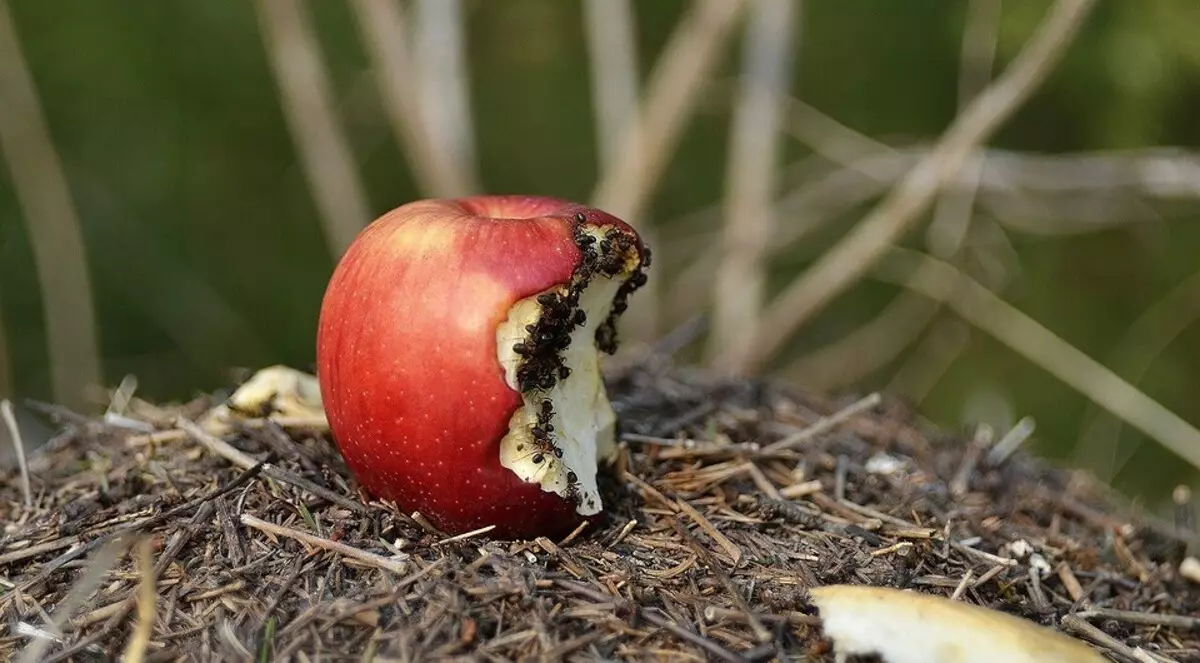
902 626
458 357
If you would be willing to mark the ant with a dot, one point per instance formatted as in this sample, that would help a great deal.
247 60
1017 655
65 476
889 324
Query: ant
544 415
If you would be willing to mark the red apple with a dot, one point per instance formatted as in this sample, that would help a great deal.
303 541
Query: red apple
458 358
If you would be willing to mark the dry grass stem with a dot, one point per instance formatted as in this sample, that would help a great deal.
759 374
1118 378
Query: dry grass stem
1032 194
55 232
245 462
147 604
954 208
384 31
613 65
751 172
257 567
1074 624
398 566
443 77
852 258
1160 325
294 53
94 574
867 348
983 309
6 376
926 364
825 424
14 435
467 535
669 102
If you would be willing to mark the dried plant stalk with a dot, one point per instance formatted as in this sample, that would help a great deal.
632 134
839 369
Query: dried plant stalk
613 62
6 376
952 213
983 309
443 79
671 97
847 262
903 320
384 30
1145 341
59 251
147 603
767 62
304 90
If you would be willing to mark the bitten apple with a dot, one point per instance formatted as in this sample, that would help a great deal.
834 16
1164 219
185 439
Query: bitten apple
458 358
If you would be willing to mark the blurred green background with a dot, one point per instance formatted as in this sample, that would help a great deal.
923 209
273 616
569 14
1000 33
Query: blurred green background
206 253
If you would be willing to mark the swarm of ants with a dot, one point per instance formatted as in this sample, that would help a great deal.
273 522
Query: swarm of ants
543 364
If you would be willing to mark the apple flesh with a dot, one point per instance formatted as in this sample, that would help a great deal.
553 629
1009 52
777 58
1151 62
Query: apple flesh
458 358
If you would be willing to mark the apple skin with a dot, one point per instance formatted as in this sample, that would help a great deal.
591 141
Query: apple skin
407 355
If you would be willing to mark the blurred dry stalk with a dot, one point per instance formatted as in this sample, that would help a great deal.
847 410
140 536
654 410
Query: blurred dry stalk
902 322
740 291
384 31
649 140
952 216
1146 339
979 306
53 225
846 263
294 53
147 603
1058 195
669 102
443 80
94 573
6 372
613 59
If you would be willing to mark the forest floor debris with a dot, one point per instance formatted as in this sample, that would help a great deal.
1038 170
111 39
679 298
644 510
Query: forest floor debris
730 500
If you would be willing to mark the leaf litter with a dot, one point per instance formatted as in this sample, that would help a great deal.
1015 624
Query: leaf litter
149 536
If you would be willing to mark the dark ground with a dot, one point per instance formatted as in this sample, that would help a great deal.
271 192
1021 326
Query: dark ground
706 556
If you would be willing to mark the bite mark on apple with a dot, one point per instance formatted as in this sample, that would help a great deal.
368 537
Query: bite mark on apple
566 424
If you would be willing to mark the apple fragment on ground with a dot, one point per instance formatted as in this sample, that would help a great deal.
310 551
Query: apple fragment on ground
903 626
280 393
458 357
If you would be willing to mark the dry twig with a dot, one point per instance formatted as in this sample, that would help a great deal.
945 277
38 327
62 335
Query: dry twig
55 232
741 279
841 267
613 59
304 90
443 78
385 33
397 566
672 93
1145 341
982 308
6 376
14 434
147 604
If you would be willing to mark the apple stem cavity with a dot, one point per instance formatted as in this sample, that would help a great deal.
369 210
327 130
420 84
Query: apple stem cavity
549 347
